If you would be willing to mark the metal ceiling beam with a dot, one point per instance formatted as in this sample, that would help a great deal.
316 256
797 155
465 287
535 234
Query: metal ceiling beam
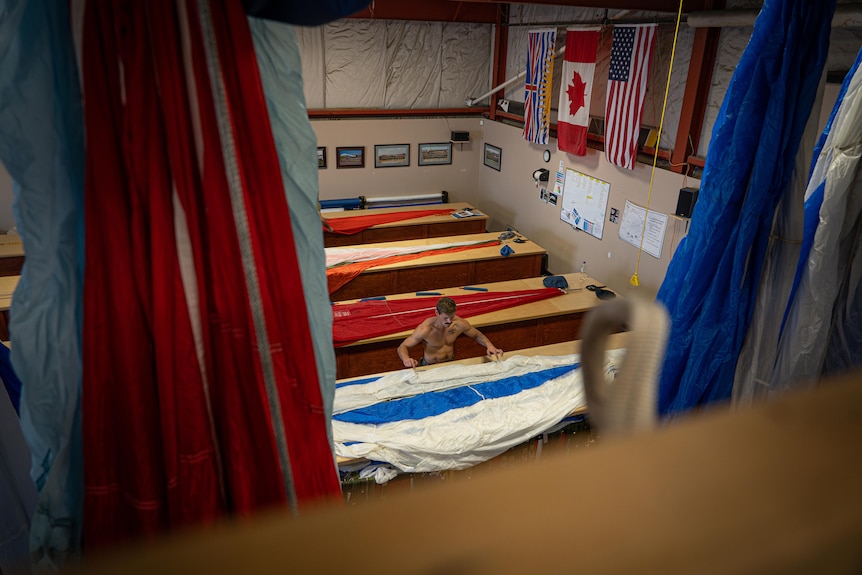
431 11
696 96
485 11
649 5
501 43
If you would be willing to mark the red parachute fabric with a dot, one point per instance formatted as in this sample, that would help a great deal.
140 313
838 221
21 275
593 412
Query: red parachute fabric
356 224
171 440
339 276
352 322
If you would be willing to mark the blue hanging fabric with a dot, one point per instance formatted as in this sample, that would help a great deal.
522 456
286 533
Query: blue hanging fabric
711 282
10 379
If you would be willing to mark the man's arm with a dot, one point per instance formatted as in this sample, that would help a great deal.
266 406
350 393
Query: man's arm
414 339
481 339
324 222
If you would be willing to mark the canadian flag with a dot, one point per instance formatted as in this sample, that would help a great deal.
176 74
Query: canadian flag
576 87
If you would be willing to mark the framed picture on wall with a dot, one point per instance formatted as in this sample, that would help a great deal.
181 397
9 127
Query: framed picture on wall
321 158
493 157
435 154
350 157
391 155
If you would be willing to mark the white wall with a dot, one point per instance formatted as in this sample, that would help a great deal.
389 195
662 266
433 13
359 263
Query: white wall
510 197
460 178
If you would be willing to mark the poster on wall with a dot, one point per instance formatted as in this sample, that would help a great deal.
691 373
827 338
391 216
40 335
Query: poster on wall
632 227
584 202
560 180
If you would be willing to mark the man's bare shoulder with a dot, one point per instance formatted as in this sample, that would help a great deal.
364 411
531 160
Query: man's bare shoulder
460 323
425 327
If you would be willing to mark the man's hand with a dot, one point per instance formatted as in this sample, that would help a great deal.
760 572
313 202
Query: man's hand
410 362
325 223
494 353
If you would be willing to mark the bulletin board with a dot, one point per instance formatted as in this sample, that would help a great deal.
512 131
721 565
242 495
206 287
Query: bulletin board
585 201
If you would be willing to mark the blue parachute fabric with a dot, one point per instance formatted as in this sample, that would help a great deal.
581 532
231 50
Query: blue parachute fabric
427 405
356 382
712 279
42 147
10 379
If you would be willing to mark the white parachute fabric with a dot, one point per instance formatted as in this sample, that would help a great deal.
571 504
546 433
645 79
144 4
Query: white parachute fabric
457 416
823 326
757 357
339 256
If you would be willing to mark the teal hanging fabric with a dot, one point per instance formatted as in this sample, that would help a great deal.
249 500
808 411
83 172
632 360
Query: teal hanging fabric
42 146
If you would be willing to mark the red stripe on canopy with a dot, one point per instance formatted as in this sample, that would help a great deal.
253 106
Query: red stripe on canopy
354 224
352 322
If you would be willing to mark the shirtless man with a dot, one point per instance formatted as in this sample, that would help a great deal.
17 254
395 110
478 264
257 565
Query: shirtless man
439 334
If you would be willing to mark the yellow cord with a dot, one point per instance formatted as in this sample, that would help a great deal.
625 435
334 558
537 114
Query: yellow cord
635 281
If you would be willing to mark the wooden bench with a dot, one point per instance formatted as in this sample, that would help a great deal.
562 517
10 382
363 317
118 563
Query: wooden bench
7 288
11 255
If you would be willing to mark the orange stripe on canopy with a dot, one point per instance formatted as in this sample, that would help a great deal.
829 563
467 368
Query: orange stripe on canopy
356 224
340 275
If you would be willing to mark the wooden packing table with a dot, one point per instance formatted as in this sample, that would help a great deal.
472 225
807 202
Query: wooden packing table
445 270
7 288
771 488
553 320
11 255
425 227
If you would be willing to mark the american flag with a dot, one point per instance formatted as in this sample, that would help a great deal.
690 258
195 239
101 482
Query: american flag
537 102
627 84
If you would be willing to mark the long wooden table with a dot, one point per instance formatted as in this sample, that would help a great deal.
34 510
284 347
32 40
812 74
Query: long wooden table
534 324
425 227
750 490
11 255
7 288
445 270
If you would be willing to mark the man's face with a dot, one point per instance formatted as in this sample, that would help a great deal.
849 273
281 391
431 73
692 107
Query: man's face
444 319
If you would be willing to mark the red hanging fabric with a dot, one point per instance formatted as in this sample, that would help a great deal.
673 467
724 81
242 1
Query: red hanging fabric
355 224
170 440
352 322
339 276
148 452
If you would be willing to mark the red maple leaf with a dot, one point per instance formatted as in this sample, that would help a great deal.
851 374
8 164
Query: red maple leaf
576 90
